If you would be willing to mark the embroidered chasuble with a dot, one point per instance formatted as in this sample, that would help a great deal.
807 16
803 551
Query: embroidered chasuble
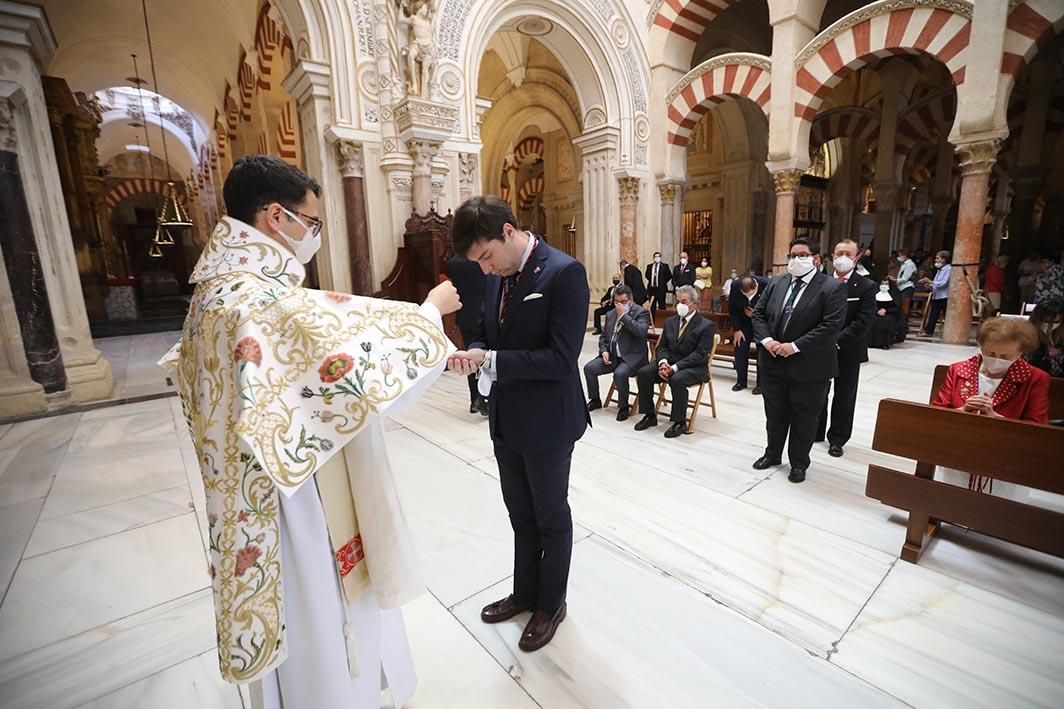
276 380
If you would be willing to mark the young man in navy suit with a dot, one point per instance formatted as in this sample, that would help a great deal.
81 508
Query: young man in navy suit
742 299
526 348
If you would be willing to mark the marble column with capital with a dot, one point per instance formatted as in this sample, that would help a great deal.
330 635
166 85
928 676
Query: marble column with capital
423 152
350 160
977 160
600 243
786 183
671 204
628 189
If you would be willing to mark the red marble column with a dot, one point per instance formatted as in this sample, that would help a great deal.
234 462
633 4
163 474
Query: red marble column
786 182
349 154
977 160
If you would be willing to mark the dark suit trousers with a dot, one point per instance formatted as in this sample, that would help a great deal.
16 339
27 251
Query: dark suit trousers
648 376
601 313
843 402
535 487
791 408
657 302
621 373
742 358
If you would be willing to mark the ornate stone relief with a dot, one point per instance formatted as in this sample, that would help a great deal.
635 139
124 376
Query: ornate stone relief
628 189
7 126
979 157
349 158
620 34
417 41
467 168
450 81
787 180
594 117
670 192
534 26
423 152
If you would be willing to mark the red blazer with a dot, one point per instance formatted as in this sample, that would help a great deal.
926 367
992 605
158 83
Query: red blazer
1023 393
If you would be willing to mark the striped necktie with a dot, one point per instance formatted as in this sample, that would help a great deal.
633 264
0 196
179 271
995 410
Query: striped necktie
788 308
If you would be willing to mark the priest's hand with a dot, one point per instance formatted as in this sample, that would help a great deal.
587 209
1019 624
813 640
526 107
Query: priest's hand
466 362
445 298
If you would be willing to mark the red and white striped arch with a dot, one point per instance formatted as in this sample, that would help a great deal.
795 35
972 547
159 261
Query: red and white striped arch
860 124
925 122
940 28
1031 25
246 82
140 185
529 190
287 142
270 43
686 20
713 82
529 146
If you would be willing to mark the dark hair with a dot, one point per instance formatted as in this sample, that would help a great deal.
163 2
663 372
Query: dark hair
746 279
622 290
945 256
258 180
814 246
1047 310
657 253
480 218
903 251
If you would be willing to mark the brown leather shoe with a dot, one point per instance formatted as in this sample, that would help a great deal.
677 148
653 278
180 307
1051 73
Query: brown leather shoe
540 629
502 610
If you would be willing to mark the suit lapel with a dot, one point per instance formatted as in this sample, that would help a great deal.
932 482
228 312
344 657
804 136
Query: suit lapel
525 284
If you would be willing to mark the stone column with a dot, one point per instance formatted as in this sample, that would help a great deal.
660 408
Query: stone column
628 189
310 84
349 157
1029 174
671 221
423 152
468 184
786 182
26 46
977 160
601 244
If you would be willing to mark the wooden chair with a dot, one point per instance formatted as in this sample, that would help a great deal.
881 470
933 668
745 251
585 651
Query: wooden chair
651 342
1018 452
694 403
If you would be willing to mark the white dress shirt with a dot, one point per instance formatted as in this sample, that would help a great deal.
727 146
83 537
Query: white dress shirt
684 322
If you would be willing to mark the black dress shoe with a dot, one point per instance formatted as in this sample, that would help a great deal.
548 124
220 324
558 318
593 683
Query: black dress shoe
646 422
482 406
756 391
797 474
594 404
676 430
835 451
623 413
540 629
474 409
738 387
502 610
596 331
764 462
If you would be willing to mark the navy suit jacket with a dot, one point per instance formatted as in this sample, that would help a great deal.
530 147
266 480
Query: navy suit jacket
537 401
738 303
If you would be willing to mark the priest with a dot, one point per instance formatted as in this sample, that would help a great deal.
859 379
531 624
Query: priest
283 389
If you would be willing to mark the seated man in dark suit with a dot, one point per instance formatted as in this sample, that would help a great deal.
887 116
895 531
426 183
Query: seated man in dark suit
622 350
659 275
742 299
605 305
682 359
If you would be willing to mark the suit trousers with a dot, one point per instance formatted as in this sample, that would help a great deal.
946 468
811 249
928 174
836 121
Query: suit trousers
648 376
937 307
622 371
741 359
843 402
657 301
791 409
535 488
601 313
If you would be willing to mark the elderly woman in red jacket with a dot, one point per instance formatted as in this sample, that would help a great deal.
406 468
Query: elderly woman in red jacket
998 383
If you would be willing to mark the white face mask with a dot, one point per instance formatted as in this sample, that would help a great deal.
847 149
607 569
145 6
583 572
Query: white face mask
657 259
704 264
734 274
1048 327
901 259
682 310
800 266
304 250
843 264
995 366
884 289
683 262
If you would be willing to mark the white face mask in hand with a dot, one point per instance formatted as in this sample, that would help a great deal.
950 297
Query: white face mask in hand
800 266
995 366
682 310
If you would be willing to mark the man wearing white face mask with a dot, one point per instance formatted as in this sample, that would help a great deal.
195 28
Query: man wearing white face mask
284 388
852 348
797 324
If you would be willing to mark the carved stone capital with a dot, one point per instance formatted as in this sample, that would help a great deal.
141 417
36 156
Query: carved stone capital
629 189
350 159
467 168
670 192
787 180
979 157
423 152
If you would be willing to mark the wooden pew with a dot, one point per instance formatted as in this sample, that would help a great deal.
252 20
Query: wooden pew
1013 451
1056 392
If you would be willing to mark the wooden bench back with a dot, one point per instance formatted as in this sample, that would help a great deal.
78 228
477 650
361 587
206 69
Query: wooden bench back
1019 452
1056 392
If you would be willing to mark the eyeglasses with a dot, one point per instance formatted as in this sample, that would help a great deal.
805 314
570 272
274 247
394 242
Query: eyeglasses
315 223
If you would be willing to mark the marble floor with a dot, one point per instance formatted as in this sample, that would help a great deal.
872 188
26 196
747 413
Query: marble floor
696 581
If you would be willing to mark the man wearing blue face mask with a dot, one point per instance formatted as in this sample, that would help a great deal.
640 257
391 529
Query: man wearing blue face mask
797 323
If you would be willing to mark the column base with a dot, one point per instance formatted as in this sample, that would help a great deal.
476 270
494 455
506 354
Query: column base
20 397
90 379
